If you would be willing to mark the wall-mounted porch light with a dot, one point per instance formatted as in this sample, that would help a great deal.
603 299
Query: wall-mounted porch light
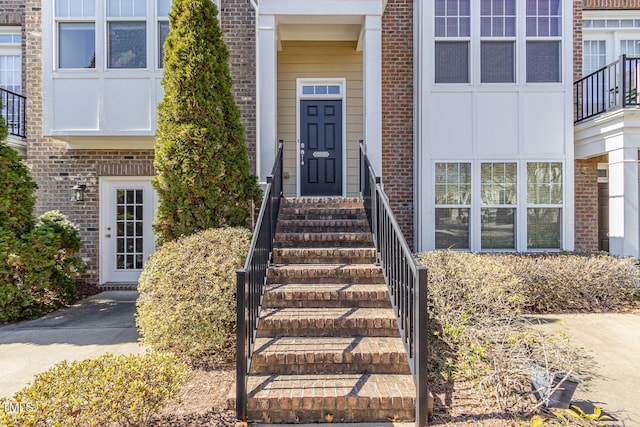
77 194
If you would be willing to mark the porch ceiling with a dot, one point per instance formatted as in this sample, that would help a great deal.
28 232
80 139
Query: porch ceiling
307 27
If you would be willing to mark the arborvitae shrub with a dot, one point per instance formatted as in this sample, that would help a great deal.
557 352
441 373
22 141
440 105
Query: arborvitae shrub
125 390
203 175
16 190
187 295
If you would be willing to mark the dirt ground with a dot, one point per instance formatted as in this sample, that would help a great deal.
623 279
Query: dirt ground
204 404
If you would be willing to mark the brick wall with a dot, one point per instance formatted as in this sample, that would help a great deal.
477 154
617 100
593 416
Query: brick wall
238 28
611 4
11 12
397 111
586 199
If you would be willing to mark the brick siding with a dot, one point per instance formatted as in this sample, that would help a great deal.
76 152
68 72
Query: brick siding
586 199
611 4
397 111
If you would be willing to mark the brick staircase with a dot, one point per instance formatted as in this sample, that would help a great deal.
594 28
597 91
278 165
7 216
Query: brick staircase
328 346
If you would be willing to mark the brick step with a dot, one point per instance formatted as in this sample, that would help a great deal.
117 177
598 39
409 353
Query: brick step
336 397
323 239
309 355
320 213
324 255
325 273
313 295
327 322
323 225
349 202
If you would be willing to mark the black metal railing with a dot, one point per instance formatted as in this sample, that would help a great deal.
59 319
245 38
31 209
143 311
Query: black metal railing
407 282
611 87
14 112
252 278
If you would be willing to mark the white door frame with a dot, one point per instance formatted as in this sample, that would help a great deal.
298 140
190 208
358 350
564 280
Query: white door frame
108 273
342 96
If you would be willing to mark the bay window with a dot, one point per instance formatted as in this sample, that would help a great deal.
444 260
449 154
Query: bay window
544 205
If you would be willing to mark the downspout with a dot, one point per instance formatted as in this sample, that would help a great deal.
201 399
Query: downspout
255 7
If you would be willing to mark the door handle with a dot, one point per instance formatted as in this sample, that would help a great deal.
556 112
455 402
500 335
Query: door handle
302 157
108 236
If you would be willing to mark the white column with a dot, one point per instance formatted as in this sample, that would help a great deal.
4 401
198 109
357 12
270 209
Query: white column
624 220
267 101
372 87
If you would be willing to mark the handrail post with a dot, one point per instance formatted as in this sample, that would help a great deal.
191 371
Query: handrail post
421 358
271 213
241 340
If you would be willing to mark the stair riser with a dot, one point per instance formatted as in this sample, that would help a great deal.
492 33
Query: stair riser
316 274
324 256
268 327
324 238
346 363
311 260
315 409
277 299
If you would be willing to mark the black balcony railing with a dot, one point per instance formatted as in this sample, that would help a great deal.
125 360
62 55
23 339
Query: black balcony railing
251 280
611 87
14 108
407 282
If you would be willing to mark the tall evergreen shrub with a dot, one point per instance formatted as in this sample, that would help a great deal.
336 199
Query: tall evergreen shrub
203 177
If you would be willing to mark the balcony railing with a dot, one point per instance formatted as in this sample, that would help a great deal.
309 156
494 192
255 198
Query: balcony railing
251 280
14 112
612 87
406 281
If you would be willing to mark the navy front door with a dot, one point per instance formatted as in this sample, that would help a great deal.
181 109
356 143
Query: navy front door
321 148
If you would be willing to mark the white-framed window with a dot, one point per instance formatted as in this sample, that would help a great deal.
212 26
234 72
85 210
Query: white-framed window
594 56
498 201
126 34
452 205
630 48
543 45
498 41
544 205
76 33
11 59
164 7
453 33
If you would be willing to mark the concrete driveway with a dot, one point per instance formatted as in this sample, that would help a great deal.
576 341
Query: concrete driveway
611 379
103 323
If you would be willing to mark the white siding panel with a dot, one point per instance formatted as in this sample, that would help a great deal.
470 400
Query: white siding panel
127 105
543 123
76 104
452 124
497 118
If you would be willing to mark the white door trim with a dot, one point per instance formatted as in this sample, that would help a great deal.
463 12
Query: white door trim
342 96
106 244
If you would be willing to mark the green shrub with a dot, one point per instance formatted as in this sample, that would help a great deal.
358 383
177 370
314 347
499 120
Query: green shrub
37 271
575 282
202 167
16 190
123 390
186 303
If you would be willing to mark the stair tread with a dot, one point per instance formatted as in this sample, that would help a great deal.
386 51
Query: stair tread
327 313
327 287
371 386
327 267
316 345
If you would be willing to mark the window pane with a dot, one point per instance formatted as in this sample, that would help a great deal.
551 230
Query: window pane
77 46
630 47
497 62
76 8
498 228
498 183
452 18
126 8
543 62
163 31
544 183
543 228
164 7
127 45
452 62
452 228
11 75
453 183
594 55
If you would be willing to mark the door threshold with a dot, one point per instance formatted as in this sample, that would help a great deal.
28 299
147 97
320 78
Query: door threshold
117 286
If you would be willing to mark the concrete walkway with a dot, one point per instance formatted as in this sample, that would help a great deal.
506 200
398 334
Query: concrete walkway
612 345
97 325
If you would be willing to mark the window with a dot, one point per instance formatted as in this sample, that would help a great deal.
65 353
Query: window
544 205
498 194
630 48
126 34
497 47
544 31
453 203
164 7
452 31
594 56
11 59
75 20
